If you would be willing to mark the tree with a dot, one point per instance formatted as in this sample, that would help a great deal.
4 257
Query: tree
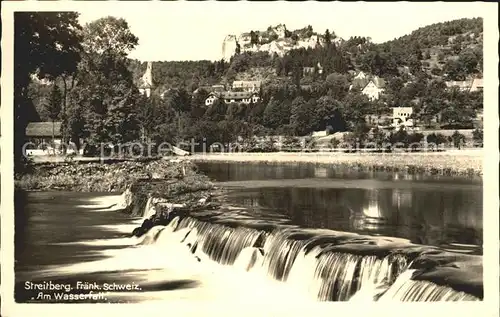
109 35
360 132
75 126
458 139
53 107
105 84
47 45
301 115
337 85
477 136
328 37
276 113
327 114
254 38
436 138
469 61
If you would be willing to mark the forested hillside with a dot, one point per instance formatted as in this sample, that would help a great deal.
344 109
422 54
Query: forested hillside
414 67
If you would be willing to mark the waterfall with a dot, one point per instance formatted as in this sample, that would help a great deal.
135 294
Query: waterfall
407 290
281 249
149 209
249 258
125 200
221 243
323 265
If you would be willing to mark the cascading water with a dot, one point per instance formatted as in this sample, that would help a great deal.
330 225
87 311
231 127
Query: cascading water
314 264
221 243
407 290
318 263
226 254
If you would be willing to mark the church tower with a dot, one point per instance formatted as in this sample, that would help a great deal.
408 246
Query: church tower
147 81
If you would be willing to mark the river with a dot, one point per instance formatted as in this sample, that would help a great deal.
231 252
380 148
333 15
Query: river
269 242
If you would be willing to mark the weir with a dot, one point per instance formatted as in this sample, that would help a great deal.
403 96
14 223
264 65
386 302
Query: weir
326 265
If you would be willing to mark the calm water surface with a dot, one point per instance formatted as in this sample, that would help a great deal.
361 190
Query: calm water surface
431 210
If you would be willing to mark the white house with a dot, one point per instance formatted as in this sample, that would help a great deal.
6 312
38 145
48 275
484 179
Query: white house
250 86
401 116
147 81
466 85
318 134
477 85
374 88
211 99
461 85
229 97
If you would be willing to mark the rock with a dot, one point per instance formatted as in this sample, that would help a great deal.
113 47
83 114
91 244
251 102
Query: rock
139 231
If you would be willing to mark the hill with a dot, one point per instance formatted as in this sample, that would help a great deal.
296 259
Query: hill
308 88
449 51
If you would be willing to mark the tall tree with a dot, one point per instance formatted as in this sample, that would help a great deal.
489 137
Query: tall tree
53 107
105 84
328 37
46 45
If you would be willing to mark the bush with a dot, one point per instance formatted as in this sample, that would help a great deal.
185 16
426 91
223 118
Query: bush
477 137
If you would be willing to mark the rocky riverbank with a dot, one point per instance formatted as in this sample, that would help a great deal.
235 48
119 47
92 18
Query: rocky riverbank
181 176
158 189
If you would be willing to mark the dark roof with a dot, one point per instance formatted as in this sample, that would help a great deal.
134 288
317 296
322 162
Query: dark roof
43 129
360 83
379 82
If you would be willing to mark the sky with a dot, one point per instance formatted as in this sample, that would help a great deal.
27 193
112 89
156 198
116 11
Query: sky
169 31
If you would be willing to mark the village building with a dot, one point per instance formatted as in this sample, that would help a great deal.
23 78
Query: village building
40 133
308 70
212 97
371 86
229 97
401 116
374 88
40 142
475 84
209 89
146 84
249 86
461 85
245 39
311 70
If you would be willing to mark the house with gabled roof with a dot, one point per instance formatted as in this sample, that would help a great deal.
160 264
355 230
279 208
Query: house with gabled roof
371 86
374 88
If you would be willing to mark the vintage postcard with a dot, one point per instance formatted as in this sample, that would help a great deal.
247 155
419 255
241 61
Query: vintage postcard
249 158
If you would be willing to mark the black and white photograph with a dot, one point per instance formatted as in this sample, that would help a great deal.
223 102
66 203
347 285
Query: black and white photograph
273 153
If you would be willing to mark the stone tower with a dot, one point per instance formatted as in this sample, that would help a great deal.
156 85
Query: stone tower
147 80
229 47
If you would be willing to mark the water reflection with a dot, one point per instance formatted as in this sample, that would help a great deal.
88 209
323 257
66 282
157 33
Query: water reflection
440 215
265 171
